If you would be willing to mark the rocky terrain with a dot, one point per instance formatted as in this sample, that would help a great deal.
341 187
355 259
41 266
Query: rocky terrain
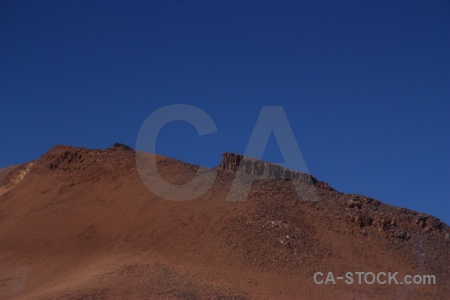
80 224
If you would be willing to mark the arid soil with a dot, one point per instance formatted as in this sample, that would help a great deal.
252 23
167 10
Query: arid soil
80 224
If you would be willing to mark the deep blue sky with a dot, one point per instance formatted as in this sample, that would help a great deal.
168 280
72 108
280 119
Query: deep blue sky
365 84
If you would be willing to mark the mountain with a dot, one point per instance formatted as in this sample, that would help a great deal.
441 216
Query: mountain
80 224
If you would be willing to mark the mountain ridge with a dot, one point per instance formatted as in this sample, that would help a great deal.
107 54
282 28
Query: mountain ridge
88 210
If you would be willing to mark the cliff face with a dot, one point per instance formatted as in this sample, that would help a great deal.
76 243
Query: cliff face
235 162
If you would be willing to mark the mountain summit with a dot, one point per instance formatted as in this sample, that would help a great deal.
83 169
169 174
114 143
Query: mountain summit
79 224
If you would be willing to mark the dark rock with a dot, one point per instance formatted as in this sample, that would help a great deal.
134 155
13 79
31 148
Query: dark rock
235 162
119 146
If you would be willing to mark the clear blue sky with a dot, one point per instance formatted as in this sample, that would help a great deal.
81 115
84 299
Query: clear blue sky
365 84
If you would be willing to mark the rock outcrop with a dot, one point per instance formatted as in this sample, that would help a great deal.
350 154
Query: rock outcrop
232 162
120 146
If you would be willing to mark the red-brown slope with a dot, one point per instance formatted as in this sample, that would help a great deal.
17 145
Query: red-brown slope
82 225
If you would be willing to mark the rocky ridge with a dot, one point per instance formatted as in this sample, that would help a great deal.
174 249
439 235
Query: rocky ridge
77 206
